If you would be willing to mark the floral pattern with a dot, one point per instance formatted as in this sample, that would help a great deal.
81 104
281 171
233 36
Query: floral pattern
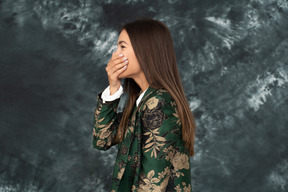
153 121
152 155
152 183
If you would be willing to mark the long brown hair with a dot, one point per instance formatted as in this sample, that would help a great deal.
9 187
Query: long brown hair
153 47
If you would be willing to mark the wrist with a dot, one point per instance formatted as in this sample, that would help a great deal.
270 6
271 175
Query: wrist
113 90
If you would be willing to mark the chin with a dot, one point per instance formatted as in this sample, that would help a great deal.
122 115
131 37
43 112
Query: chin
122 75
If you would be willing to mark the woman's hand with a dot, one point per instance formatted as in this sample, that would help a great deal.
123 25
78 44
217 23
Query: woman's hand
115 66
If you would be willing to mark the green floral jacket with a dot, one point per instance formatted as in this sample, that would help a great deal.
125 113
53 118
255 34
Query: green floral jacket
152 155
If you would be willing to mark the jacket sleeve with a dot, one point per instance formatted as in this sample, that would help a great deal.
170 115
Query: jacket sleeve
105 123
165 159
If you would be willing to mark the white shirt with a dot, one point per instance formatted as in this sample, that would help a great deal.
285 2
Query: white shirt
107 97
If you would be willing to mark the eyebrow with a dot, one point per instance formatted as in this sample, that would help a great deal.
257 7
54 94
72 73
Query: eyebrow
122 42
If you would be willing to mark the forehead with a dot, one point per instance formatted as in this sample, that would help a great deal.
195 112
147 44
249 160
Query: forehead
124 37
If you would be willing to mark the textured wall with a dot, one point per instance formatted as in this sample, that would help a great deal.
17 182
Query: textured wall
233 60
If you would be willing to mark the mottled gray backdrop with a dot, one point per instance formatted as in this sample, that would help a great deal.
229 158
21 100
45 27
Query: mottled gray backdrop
233 60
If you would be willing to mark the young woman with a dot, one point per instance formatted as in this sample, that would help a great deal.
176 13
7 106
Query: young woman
155 133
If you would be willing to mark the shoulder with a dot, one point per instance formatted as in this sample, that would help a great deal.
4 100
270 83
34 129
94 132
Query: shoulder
160 100
160 116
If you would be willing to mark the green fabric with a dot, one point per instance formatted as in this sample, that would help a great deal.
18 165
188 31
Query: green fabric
152 155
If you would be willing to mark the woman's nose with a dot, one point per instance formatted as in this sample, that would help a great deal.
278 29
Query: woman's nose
118 51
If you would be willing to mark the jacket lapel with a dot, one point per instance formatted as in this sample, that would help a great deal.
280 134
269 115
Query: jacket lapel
136 114
130 135
149 91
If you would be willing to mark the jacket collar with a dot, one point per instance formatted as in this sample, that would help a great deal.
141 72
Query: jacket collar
148 92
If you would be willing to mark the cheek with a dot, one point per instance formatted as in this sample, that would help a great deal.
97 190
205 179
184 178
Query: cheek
133 65
132 60
129 54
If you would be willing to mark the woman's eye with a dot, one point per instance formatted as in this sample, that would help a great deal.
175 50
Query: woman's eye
122 46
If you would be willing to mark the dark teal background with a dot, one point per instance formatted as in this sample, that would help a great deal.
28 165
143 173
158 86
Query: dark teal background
233 60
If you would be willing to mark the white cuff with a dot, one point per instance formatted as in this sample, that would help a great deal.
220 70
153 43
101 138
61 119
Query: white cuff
107 97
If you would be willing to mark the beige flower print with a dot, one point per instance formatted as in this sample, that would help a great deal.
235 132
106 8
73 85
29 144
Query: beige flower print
176 114
151 183
97 112
161 91
129 129
132 126
173 103
178 160
155 144
151 103
101 143
185 189
129 157
104 130
155 141
120 173
169 152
